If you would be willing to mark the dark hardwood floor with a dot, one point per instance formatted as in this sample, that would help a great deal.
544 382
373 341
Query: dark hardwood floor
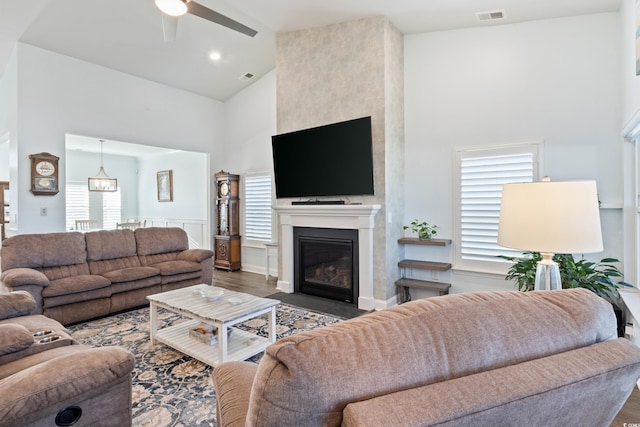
256 284
629 415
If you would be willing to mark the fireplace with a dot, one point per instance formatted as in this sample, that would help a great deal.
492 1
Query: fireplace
326 263
349 217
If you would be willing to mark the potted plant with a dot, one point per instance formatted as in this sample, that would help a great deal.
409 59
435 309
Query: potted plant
602 278
423 229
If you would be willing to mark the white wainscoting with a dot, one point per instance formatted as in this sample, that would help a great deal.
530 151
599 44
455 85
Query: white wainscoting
197 230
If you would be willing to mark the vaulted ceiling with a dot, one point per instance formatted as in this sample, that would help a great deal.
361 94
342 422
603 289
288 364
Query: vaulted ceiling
127 35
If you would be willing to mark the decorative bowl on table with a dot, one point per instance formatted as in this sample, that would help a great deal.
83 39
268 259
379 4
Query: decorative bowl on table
213 295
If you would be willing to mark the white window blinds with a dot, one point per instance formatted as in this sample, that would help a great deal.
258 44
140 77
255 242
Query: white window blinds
257 199
77 203
80 204
111 209
481 176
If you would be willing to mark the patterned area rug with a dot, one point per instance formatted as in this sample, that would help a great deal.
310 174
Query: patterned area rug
170 388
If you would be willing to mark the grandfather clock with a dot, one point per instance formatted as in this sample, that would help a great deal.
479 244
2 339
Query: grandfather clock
227 237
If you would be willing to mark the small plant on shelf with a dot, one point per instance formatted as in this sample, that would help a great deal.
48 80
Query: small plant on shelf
423 229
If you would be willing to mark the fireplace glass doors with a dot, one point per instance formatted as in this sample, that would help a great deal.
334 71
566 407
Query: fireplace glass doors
326 262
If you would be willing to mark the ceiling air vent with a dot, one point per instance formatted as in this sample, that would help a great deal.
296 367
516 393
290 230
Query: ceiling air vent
490 16
246 76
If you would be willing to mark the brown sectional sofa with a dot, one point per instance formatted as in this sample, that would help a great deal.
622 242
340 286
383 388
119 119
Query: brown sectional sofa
79 276
43 380
546 358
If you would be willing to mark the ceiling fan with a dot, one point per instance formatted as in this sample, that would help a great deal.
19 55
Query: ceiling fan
174 8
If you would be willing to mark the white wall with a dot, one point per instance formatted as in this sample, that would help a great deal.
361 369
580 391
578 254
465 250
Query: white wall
61 95
556 80
4 160
250 123
189 186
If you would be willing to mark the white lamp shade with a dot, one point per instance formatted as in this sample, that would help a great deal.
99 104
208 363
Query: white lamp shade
551 217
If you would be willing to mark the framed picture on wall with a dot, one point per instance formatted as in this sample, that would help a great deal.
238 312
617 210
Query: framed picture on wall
164 182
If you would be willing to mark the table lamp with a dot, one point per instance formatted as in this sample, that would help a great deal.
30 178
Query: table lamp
550 218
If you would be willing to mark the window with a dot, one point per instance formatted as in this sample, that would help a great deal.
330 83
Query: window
111 209
480 175
257 199
82 204
77 204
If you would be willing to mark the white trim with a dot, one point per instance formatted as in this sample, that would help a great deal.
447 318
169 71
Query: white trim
631 130
358 217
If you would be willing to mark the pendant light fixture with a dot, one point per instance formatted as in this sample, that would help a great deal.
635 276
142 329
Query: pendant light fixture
101 182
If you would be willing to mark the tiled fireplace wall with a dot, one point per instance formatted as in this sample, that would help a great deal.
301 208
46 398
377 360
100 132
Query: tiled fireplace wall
341 72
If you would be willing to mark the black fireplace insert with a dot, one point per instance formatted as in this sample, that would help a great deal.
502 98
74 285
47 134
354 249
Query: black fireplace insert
326 262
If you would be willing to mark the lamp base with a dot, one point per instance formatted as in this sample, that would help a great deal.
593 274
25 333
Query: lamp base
547 274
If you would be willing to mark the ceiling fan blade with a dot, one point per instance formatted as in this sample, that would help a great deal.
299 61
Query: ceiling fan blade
210 15
169 27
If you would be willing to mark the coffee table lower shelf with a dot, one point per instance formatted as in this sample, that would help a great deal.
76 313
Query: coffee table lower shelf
240 345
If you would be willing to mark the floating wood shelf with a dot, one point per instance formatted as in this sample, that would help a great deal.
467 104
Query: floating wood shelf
425 242
442 288
424 265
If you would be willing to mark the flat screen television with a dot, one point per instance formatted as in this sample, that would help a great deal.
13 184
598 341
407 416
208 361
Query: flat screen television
330 160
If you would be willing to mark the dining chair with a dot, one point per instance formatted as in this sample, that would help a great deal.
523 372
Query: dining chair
86 224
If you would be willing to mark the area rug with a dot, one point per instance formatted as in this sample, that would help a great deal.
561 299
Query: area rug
170 388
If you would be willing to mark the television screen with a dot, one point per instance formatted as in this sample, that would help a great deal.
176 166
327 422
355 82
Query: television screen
330 160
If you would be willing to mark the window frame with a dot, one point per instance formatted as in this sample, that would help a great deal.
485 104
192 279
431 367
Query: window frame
498 266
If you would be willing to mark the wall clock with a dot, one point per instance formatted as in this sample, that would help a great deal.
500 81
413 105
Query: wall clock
44 174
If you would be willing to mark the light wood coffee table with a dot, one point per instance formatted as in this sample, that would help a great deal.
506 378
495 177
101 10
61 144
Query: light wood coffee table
228 310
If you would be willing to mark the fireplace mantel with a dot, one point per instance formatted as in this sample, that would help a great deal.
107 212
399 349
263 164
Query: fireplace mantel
356 217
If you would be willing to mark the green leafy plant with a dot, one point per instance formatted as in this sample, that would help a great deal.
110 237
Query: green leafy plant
602 278
423 229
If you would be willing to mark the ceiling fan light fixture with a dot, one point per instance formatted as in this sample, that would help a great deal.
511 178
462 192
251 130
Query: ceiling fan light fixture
172 7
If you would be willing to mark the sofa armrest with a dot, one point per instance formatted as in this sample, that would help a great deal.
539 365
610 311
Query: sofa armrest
195 255
65 379
232 382
598 378
14 338
14 304
17 277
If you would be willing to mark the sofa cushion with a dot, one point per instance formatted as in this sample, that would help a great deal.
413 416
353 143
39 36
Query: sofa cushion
76 289
43 250
156 240
64 271
74 285
130 274
103 266
18 303
170 268
14 337
110 244
312 374
533 393
130 287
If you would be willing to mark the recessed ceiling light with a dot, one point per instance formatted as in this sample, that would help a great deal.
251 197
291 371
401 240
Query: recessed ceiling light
215 56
